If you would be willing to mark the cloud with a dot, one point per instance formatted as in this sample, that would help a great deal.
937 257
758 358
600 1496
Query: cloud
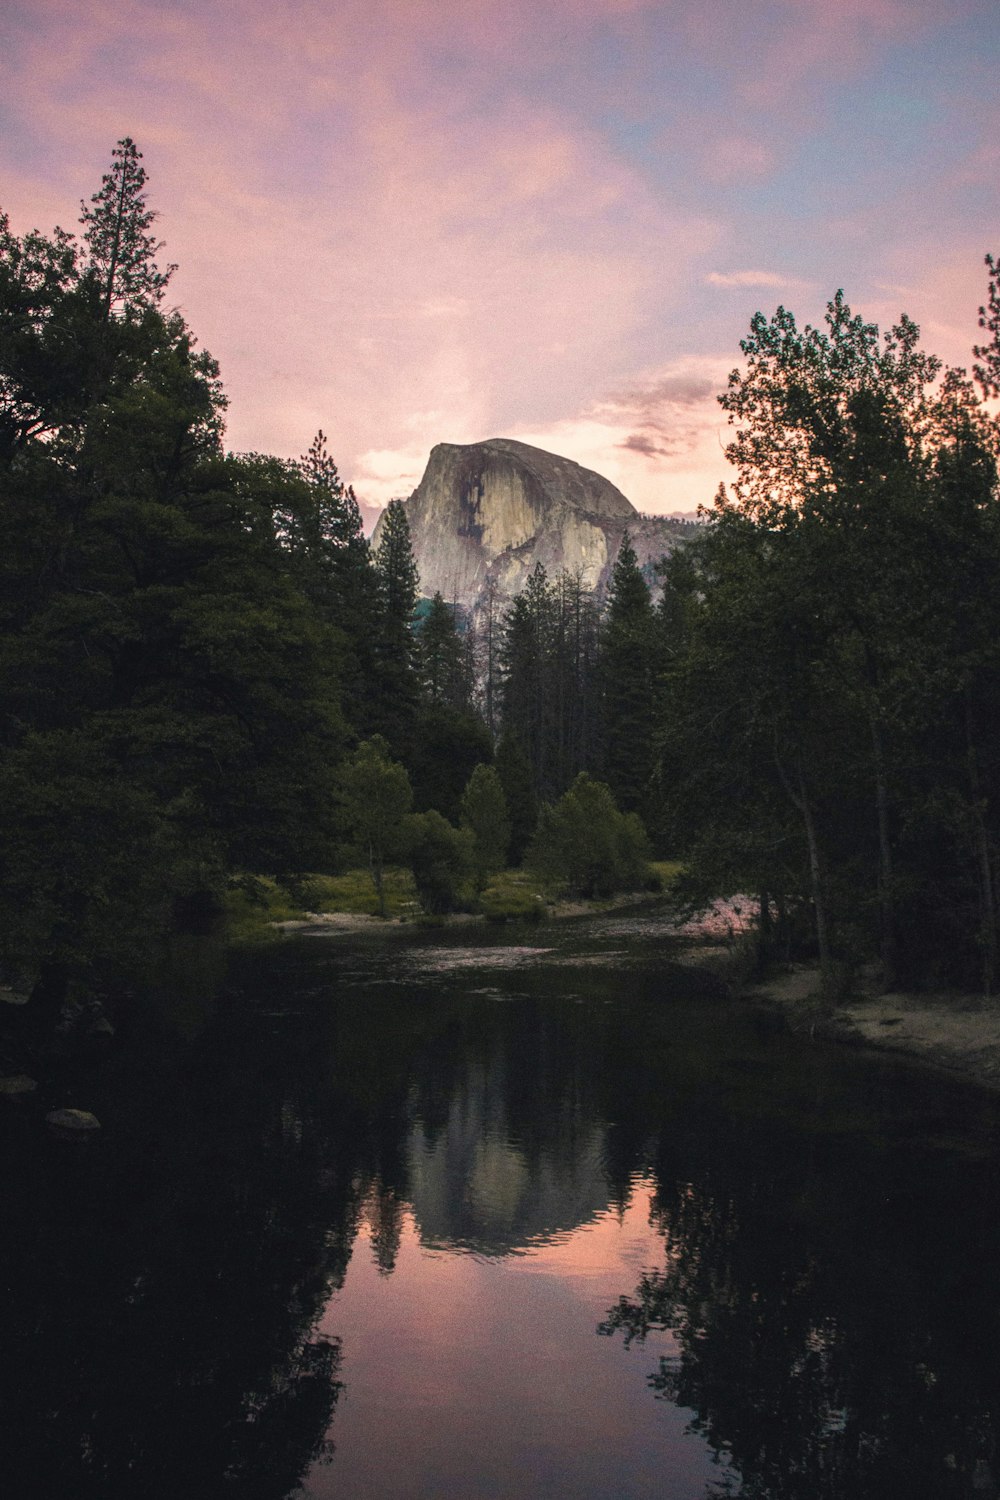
410 222
369 248
660 438
639 442
755 278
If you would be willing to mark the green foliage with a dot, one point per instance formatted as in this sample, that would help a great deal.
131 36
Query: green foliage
587 844
351 892
988 373
443 667
441 860
376 796
393 687
627 672
549 679
830 664
484 813
447 744
319 526
121 250
518 786
168 681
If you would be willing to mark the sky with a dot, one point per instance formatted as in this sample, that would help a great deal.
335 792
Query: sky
417 221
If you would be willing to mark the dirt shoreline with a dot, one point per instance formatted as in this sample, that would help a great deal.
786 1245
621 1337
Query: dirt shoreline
332 922
958 1033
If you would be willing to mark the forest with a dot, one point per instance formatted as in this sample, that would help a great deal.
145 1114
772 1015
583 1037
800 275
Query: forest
208 675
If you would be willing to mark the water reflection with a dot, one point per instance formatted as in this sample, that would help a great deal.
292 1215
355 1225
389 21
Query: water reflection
835 1316
355 1239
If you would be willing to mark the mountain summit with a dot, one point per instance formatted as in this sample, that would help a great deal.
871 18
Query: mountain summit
495 509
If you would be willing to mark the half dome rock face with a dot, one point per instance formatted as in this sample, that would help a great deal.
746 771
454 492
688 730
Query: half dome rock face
493 510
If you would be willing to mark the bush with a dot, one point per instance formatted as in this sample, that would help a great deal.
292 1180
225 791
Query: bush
441 859
484 814
586 844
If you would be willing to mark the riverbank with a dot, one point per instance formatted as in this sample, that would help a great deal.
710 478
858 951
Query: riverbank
333 922
957 1032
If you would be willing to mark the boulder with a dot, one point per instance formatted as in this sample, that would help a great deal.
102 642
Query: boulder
73 1122
17 1086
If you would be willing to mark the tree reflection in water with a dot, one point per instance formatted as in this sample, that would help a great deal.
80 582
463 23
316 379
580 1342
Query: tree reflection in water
804 1347
159 1340
827 1279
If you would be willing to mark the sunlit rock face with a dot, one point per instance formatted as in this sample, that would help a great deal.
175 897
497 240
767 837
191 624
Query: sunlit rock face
493 510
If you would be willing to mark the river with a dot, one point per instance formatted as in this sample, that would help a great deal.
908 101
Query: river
497 1212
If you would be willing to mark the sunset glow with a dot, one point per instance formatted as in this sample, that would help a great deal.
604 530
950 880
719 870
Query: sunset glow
411 223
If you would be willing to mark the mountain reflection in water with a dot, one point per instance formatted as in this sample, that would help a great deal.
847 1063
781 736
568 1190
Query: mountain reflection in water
407 1220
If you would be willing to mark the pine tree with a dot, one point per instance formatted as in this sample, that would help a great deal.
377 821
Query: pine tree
514 770
444 678
121 249
988 373
325 535
393 689
627 679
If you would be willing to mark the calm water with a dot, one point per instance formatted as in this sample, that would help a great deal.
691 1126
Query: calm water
480 1216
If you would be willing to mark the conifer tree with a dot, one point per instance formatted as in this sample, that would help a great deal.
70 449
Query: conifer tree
988 373
514 771
444 678
394 690
116 228
324 533
627 678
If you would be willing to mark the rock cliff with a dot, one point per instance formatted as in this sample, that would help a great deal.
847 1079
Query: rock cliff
495 509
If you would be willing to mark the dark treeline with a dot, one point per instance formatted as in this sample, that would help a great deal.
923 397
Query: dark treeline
201 654
191 641
806 706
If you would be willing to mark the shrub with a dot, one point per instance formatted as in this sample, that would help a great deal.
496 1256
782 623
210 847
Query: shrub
441 859
585 843
484 813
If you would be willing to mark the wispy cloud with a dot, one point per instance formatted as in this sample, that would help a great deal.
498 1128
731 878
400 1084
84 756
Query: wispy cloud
756 279
660 438
410 221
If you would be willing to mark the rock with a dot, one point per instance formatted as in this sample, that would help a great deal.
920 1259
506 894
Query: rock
76 1122
17 1086
492 510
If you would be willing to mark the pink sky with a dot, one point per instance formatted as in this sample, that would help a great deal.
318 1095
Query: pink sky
411 222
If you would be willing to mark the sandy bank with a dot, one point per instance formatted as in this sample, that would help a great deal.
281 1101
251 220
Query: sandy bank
957 1032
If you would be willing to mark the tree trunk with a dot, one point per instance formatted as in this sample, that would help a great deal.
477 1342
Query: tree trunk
887 908
816 881
987 899
799 797
765 928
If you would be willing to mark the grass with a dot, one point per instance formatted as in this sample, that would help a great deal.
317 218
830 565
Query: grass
254 903
354 893
513 894
667 871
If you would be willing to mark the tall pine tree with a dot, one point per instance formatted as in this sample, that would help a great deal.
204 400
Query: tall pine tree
628 645
395 686
121 251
